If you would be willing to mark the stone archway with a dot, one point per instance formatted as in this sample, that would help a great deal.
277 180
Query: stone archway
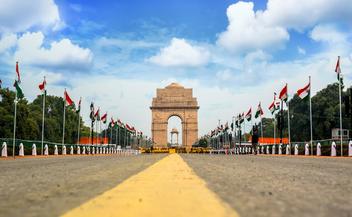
174 100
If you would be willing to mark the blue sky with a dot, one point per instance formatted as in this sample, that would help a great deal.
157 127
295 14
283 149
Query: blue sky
234 54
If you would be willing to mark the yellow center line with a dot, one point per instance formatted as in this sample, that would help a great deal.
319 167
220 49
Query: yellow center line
167 188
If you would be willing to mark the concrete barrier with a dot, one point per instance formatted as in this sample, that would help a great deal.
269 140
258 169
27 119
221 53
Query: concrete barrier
319 149
64 150
273 149
280 149
288 149
21 150
34 150
78 150
306 149
333 149
350 149
296 149
46 150
56 150
4 150
71 150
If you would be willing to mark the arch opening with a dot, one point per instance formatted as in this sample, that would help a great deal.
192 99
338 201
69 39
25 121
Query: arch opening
174 131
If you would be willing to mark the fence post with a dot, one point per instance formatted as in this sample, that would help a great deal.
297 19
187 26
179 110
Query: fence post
4 150
46 151
288 151
34 149
84 150
78 150
318 149
267 150
64 150
21 150
71 150
273 149
306 149
350 149
333 149
56 151
280 149
296 149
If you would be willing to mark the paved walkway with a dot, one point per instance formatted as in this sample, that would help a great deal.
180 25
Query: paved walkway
167 188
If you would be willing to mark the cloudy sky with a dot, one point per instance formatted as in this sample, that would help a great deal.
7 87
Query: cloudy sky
117 52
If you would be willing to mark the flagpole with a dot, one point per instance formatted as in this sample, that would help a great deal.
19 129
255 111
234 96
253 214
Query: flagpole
310 115
63 127
274 129
288 123
340 116
79 124
106 128
116 132
261 127
14 128
43 117
110 134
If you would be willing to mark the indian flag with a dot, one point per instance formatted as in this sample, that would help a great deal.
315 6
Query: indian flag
305 91
259 111
283 94
249 114
338 68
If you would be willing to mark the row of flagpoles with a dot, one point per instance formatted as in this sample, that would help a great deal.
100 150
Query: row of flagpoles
275 106
94 115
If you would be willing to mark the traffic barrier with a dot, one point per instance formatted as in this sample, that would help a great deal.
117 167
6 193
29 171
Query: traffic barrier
4 150
78 150
288 150
46 151
64 150
56 151
333 149
273 149
318 149
306 149
280 149
21 150
71 150
34 150
84 150
350 149
296 149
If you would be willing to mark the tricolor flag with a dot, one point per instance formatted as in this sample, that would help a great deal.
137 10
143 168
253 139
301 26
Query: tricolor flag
97 115
259 111
338 68
92 111
305 91
112 122
249 114
68 99
79 106
42 85
119 122
241 118
283 94
18 73
104 117
18 89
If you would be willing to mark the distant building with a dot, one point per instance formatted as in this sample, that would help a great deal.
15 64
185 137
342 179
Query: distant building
335 133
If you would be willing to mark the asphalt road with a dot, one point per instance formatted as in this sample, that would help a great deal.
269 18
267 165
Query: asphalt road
52 186
252 185
278 186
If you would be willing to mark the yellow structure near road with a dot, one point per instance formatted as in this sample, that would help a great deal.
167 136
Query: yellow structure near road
167 188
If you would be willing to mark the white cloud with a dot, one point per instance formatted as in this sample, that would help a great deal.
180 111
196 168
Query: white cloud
181 53
18 15
301 50
7 41
61 54
300 14
224 75
329 34
247 31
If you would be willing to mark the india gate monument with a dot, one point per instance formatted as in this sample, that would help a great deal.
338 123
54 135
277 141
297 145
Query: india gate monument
174 100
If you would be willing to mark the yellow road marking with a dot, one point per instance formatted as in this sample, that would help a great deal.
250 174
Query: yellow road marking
167 188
